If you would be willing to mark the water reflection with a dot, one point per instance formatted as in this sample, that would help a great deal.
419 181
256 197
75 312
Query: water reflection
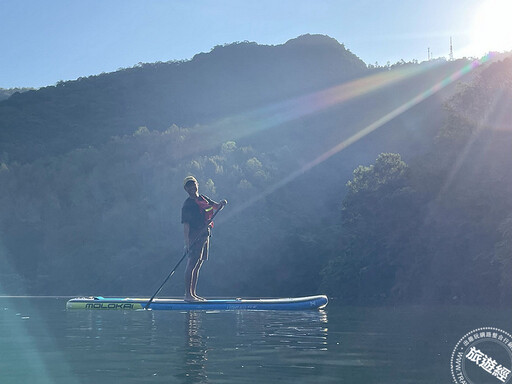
342 344
308 332
298 330
195 348
223 345
282 344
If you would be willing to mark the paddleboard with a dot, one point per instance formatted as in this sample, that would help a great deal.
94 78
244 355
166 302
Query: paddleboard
109 303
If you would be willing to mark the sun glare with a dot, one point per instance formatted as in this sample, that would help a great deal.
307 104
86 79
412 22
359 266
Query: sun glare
492 27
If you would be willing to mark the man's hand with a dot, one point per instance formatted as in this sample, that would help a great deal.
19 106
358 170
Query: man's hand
223 202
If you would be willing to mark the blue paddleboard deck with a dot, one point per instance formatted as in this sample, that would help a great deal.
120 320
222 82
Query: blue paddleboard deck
108 303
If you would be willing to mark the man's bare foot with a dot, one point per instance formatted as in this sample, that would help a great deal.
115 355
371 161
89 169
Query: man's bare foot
199 298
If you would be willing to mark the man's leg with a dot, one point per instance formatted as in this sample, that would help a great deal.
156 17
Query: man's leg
188 278
194 257
194 278
203 255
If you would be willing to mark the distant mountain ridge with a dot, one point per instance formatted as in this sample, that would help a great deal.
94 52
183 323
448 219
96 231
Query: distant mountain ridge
229 79
6 93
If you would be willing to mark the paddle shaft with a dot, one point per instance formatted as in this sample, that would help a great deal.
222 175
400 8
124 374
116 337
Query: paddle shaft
198 237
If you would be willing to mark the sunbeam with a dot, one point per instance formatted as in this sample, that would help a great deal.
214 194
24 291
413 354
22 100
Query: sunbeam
362 133
18 346
480 126
275 115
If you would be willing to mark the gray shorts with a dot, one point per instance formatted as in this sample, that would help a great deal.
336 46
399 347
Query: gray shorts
199 251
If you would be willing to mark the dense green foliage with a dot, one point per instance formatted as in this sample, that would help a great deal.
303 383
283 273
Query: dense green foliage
439 229
91 178
107 210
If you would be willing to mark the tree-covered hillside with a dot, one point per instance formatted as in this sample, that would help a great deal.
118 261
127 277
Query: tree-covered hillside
439 228
91 177
6 93
228 80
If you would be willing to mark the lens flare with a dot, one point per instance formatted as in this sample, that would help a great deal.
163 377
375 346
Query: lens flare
275 115
364 132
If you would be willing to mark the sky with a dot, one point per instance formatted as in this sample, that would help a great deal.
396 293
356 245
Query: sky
43 42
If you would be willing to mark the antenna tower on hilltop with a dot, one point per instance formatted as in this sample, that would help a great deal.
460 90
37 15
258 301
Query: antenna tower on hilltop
451 49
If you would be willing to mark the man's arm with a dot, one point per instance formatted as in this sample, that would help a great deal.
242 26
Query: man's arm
214 204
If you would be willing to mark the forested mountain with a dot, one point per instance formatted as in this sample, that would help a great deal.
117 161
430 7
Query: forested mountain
6 93
438 229
229 80
91 176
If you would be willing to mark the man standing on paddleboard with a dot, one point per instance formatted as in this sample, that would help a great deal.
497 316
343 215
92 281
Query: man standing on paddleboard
196 217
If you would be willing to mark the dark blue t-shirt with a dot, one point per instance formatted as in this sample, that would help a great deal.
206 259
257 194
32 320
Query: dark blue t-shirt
192 214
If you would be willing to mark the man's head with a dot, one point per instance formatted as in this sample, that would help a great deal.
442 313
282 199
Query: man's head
190 184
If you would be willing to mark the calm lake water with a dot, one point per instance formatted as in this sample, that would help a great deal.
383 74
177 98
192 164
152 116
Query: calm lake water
42 342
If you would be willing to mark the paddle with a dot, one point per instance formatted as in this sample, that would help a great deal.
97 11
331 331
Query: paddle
199 236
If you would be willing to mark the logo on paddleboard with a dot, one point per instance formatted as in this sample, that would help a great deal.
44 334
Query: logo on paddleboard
483 356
